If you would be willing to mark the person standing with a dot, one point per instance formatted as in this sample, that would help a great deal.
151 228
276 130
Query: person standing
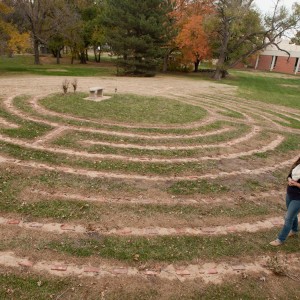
290 227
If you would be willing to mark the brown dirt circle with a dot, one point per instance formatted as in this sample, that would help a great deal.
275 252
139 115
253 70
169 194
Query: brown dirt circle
157 86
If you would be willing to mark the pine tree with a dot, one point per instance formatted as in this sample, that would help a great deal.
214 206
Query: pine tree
136 31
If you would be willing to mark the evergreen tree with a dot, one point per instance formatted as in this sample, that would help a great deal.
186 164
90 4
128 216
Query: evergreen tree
136 31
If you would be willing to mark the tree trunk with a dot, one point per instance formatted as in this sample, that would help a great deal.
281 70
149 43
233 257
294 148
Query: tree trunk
95 53
220 68
217 74
220 64
58 56
224 73
196 64
82 57
86 55
220 74
36 51
166 59
73 53
165 66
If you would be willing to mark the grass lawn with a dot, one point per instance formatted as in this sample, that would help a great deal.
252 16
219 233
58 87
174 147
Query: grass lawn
41 195
21 65
155 249
32 287
126 108
267 87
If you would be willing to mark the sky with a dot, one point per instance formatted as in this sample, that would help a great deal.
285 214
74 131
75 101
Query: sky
267 5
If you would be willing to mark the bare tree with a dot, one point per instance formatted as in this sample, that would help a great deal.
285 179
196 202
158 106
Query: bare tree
240 31
43 19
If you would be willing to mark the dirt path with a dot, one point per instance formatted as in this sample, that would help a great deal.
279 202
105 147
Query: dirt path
208 272
98 174
141 200
157 86
146 231
231 150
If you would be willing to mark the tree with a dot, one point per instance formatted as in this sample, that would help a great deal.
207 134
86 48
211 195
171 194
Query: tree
192 39
137 32
237 31
86 29
296 39
43 18
70 30
11 39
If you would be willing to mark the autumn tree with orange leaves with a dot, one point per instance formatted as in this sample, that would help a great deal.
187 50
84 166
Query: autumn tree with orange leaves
191 40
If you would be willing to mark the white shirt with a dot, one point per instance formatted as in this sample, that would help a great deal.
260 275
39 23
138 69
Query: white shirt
296 173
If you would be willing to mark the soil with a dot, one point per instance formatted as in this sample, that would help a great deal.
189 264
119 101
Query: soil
158 86
235 162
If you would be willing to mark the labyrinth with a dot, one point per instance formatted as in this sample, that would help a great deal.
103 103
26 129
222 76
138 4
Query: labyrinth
155 188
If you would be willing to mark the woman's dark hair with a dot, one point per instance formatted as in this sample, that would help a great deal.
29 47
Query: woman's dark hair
296 163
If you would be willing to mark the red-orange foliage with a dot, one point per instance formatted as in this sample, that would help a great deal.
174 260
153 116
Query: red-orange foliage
191 39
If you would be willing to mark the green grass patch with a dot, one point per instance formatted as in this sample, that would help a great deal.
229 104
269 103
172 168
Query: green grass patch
26 129
288 121
291 122
82 210
291 143
231 113
267 88
22 104
73 142
106 165
245 289
76 137
126 108
197 186
171 249
12 183
21 65
30 287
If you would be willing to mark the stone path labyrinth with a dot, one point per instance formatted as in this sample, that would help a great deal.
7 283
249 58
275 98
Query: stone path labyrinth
154 231
101 190
208 272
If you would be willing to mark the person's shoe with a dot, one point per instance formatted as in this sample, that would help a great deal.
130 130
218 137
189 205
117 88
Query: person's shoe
276 243
292 234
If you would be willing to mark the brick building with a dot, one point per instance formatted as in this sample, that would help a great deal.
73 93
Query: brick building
272 59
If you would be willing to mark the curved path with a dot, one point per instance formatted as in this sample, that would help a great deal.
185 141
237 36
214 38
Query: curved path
59 129
209 272
146 231
231 148
98 174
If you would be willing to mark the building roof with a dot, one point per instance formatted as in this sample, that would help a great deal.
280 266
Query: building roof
293 49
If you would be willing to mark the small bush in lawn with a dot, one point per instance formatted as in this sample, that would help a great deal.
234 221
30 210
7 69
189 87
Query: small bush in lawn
74 84
65 85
